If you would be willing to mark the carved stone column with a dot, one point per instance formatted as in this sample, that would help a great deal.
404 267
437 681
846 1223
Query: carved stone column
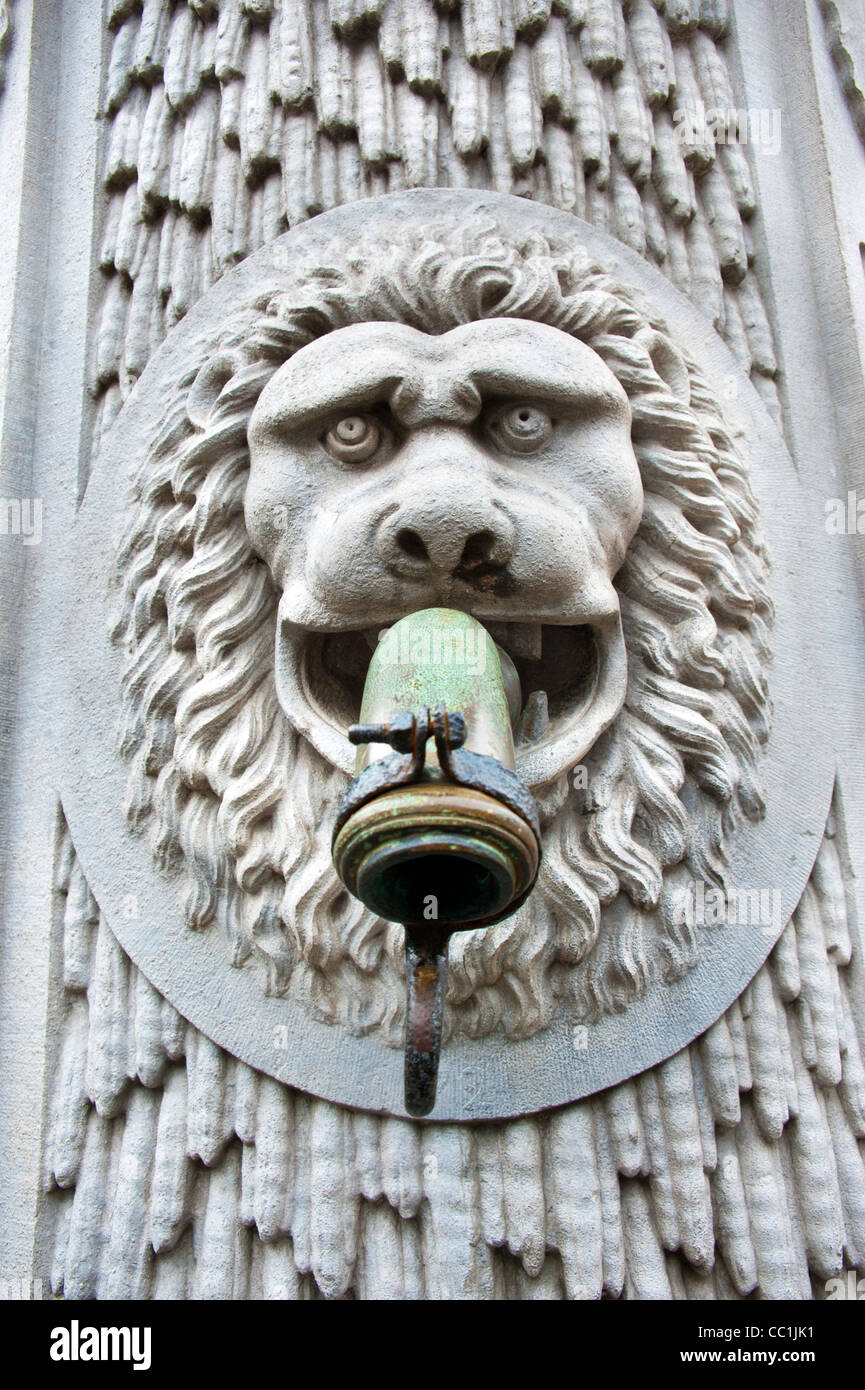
345 309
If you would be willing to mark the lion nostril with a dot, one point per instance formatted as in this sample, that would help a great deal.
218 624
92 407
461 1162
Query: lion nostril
478 550
411 544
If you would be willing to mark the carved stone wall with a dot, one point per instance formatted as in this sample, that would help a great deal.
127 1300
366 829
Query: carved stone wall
225 125
845 30
5 34
732 1169
162 1166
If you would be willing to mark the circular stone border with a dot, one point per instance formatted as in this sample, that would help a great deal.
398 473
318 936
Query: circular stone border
492 1077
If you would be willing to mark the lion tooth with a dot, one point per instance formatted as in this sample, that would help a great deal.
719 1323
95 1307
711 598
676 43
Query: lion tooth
373 635
535 718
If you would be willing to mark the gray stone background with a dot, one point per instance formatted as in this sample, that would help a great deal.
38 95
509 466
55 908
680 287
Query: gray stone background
145 150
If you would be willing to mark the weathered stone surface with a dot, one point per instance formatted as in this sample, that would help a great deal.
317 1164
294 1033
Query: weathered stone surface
700 1172
237 803
202 1073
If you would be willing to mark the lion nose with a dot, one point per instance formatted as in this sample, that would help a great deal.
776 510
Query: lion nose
444 540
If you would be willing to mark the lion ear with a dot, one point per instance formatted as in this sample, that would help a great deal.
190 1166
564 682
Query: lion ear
205 389
667 361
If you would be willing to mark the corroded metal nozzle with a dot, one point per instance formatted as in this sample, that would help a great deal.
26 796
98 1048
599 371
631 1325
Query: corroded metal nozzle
436 832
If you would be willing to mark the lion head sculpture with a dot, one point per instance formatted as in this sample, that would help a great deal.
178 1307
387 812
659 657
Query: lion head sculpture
239 798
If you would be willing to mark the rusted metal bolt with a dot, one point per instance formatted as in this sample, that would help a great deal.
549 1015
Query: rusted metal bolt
399 732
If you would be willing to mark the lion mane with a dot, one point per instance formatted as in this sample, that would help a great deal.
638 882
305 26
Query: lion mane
240 807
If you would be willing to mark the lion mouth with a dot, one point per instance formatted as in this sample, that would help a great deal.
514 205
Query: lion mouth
556 667
571 686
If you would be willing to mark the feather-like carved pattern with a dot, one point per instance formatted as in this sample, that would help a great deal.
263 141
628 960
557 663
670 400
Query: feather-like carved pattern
735 1167
228 125
175 1171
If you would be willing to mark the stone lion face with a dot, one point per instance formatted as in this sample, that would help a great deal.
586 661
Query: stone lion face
450 419
489 469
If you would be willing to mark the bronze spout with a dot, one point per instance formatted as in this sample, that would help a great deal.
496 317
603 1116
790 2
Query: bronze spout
440 843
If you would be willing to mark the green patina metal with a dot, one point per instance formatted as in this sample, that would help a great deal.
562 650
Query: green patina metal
443 656
436 832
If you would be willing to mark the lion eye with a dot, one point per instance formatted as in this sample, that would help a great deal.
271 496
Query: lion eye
522 428
353 439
